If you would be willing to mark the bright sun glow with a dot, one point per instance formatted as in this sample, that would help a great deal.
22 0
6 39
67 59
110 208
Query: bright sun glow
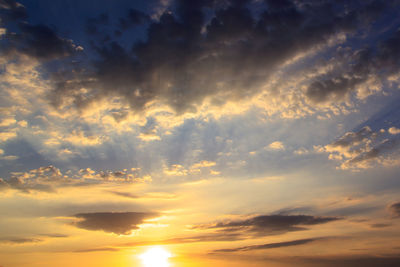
155 257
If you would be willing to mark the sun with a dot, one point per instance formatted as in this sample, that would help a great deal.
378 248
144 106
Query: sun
155 257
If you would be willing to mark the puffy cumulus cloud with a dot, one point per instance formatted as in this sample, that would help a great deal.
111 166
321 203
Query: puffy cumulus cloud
394 130
364 149
121 223
277 145
216 52
268 224
50 178
202 167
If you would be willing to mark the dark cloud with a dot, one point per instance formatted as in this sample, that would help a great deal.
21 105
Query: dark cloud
350 261
360 149
269 224
188 57
380 225
395 209
379 150
214 237
124 194
121 223
109 249
40 42
19 240
11 10
353 138
37 41
269 245
379 61
54 235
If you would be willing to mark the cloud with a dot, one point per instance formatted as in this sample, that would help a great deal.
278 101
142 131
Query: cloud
11 10
121 223
49 179
347 261
269 245
214 237
269 224
394 130
364 148
19 240
153 195
105 249
201 167
37 41
366 64
277 145
395 209
189 59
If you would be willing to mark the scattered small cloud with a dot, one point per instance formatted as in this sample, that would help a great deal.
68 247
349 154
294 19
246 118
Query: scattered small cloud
277 145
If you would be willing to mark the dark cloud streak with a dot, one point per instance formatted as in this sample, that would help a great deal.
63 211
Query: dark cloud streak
269 245
269 224
187 59
121 223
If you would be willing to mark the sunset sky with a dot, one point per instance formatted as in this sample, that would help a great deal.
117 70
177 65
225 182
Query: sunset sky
188 133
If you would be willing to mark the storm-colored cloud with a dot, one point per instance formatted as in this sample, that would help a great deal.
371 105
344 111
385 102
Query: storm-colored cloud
37 41
189 58
269 224
12 10
380 61
121 223
395 209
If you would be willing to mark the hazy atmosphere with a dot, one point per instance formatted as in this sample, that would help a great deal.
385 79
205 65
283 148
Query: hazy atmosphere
188 133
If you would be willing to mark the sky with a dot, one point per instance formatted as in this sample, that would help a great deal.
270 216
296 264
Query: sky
199 133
